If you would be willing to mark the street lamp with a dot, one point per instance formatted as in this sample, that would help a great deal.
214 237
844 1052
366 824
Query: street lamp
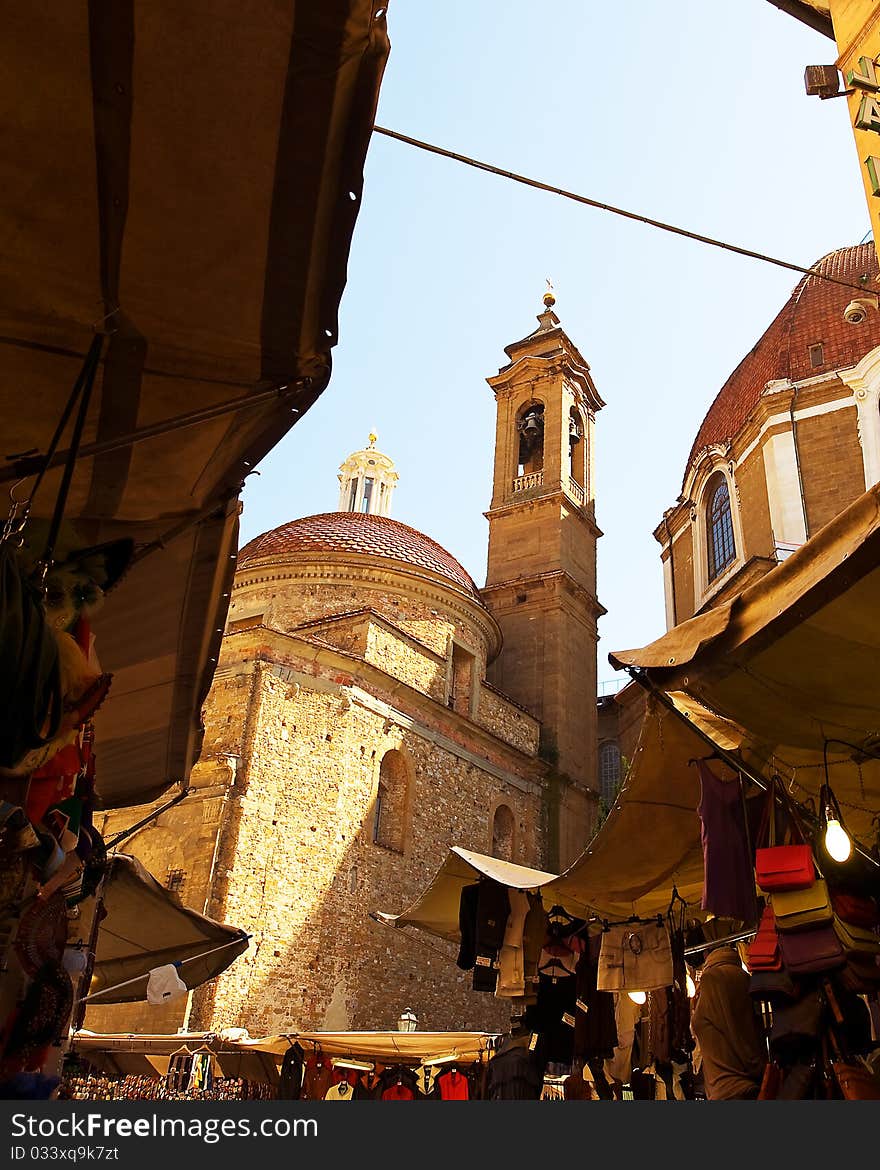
408 1021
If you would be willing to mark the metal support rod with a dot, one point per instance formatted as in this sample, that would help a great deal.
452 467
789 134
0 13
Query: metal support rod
31 464
148 818
181 963
739 936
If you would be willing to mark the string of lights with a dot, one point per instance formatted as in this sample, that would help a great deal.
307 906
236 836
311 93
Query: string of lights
491 169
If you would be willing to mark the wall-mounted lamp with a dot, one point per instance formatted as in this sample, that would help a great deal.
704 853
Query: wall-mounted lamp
408 1021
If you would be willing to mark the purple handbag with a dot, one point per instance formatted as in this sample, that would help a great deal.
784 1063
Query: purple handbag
816 948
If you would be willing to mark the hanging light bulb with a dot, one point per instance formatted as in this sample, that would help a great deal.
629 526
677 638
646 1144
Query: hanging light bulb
837 841
638 996
690 986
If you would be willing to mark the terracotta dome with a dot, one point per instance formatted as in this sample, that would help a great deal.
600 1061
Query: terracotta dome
356 532
812 315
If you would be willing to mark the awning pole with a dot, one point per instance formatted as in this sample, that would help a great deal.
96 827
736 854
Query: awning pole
147 819
181 963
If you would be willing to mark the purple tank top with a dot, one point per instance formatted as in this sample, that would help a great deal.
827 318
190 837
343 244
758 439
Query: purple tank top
728 873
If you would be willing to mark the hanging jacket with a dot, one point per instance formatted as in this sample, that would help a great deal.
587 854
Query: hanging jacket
514 1073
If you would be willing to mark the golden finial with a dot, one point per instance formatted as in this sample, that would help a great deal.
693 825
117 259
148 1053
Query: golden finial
549 298
373 438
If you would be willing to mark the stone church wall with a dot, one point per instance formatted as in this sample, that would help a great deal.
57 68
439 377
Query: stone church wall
305 873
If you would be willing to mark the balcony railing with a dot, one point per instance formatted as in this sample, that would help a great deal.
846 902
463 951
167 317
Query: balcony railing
576 490
523 483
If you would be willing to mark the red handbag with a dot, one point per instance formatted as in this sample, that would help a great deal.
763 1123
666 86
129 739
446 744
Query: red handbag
763 953
782 867
856 910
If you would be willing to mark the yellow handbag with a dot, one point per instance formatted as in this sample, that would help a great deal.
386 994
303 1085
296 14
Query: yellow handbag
798 909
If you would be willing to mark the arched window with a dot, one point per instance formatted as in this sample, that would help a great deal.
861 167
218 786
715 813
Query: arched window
720 545
576 447
502 833
389 825
609 771
530 426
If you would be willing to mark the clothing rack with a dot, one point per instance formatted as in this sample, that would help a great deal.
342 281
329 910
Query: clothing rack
633 920
739 936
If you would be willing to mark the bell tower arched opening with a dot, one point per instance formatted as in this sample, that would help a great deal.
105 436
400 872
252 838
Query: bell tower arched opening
530 429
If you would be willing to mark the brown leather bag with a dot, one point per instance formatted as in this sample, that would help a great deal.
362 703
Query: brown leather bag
855 1080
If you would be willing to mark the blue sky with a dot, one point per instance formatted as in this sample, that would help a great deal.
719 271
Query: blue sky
689 112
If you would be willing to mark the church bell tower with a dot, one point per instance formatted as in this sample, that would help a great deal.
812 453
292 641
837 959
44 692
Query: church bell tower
541 578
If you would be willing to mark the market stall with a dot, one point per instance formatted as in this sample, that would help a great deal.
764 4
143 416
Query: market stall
298 1065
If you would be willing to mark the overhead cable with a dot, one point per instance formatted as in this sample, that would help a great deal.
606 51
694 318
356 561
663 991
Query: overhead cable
585 199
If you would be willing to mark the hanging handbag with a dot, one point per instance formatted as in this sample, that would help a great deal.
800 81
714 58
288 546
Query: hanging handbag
763 952
787 866
857 938
860 973
855 1080
794 1032
854 909
774 985
797 909
815 948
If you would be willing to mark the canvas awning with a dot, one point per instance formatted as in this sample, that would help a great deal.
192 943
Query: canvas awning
187 178
147 926
782 677
436 908
259 1058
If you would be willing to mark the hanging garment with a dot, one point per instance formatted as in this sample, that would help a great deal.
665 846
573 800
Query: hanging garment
514 1073
164 984
426 1079
511 967
397 1083
635 957
680 1039
554 1016
467 927
595 1032
341 1091
290 1078
626 1015
534 932
576 1088
316 1078
728 871
492 913
453 1085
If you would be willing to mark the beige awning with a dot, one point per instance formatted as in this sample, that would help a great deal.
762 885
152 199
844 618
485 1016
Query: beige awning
147 926
259 1058
776 677
436 908
189 175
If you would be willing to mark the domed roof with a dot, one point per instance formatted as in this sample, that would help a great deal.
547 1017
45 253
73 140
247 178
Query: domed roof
812 315
357 532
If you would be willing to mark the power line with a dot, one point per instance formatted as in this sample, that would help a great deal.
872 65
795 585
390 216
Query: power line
585 199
